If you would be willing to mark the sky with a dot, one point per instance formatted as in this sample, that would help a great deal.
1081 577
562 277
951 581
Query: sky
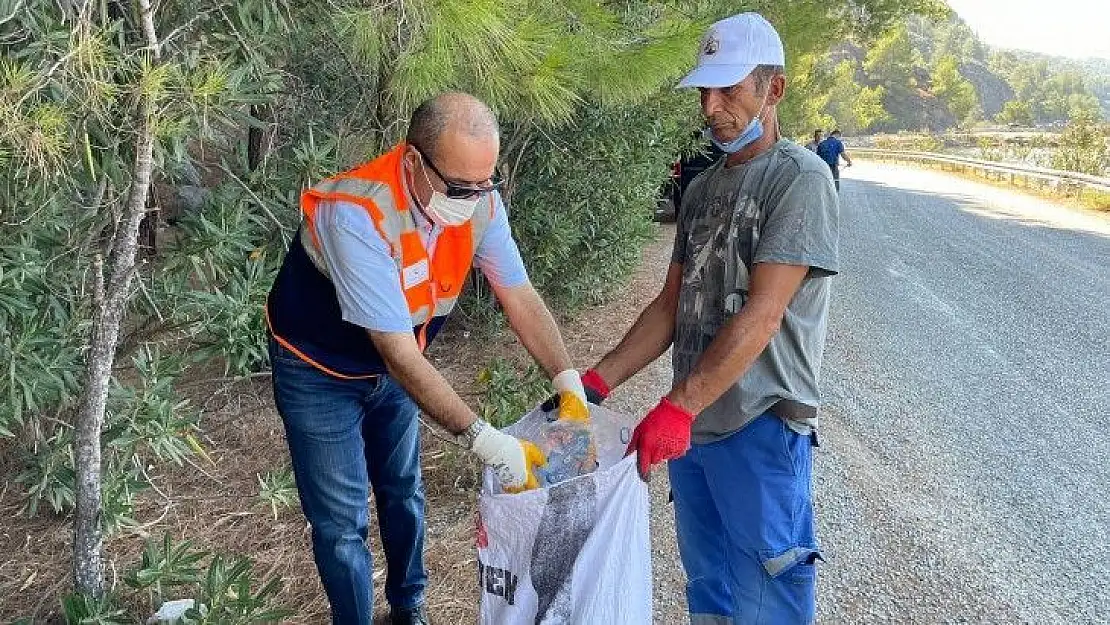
1073 28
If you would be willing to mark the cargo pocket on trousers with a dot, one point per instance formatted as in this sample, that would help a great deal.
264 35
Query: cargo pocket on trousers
798 563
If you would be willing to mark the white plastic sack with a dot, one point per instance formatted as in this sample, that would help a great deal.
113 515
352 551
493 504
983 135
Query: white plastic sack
575 552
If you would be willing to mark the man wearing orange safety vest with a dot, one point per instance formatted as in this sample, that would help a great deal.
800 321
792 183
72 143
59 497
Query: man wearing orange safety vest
379 262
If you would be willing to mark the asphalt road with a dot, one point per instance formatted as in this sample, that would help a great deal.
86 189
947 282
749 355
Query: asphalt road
966 464
965 460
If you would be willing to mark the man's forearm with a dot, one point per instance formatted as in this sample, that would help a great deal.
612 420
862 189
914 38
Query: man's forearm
533 324
423 383
648 338
645 341
742 339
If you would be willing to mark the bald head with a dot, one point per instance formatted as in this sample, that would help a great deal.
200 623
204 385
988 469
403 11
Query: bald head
453 139
450 117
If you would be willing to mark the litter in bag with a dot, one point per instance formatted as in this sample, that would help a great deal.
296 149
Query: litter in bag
577 550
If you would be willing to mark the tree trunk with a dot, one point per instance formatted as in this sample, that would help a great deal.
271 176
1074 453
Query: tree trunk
256 138
148 228
515 148
87 565
110 300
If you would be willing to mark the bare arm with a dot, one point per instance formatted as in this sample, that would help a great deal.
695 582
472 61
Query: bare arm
512 460
742 339
532 322
648 338
847 157
424 384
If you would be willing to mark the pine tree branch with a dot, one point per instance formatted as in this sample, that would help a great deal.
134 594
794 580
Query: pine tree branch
44 78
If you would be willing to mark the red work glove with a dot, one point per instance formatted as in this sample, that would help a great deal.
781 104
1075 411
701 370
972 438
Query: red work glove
664 434
595 386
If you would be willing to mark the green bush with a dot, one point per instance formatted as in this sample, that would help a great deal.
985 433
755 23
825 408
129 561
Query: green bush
990 150
146 420
48 473
278 490
926 143
910 142
41 326
508 394
1083 147
226 597
222 592
584 198
211 283
81 609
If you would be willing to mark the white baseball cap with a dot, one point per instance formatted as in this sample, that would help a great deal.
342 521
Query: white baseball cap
732 48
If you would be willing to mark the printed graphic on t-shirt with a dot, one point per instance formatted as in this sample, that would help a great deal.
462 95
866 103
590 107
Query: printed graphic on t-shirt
721 239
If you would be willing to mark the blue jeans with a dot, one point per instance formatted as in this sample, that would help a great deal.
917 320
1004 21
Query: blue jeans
346 436
744 516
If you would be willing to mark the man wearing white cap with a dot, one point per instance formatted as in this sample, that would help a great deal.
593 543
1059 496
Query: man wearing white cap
745 306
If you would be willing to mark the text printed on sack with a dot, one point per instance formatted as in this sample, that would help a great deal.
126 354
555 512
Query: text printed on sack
497 582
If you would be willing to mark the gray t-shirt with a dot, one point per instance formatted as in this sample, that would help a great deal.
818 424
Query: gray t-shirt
780 207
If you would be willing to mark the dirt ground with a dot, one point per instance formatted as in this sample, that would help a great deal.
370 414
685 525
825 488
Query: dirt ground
217 505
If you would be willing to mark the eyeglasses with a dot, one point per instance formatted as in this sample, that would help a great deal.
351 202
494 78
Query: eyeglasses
459 190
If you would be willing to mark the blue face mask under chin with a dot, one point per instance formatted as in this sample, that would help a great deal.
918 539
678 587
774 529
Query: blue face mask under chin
751 134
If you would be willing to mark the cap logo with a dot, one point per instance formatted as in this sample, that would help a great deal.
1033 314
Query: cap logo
711 45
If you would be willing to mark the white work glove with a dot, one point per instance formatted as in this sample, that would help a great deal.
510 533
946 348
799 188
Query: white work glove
572 396
513 460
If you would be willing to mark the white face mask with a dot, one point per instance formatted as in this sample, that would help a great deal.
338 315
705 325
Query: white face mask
445 211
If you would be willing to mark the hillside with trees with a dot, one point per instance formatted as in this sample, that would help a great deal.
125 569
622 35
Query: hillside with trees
928 74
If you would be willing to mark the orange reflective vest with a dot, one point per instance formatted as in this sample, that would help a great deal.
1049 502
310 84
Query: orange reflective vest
303 311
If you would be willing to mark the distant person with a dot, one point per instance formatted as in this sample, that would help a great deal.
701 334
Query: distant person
812 145
831 150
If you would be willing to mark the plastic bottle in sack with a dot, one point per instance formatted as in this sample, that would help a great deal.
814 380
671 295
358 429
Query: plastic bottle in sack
570 451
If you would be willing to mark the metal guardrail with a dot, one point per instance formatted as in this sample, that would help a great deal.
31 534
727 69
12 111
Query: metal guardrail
1063 180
